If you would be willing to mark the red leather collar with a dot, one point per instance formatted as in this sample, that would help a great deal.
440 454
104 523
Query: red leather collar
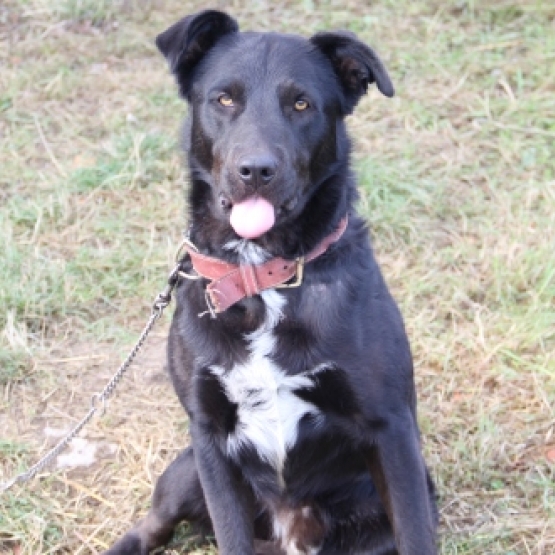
229 283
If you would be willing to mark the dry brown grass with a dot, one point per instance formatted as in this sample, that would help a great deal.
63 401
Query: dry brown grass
458 180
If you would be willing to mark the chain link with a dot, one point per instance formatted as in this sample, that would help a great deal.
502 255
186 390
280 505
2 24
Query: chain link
98 400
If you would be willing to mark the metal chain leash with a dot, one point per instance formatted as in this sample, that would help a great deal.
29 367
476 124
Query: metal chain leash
98 401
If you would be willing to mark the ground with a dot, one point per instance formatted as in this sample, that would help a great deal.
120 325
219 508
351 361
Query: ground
457 178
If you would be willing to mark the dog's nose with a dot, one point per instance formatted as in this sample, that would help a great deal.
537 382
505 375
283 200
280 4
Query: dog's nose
257 170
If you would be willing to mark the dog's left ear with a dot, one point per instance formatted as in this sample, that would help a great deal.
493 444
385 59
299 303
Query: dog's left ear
186 42
356 65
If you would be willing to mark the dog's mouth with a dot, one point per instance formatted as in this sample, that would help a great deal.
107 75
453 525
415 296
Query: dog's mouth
253 216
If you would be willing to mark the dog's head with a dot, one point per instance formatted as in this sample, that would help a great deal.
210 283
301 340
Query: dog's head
265 131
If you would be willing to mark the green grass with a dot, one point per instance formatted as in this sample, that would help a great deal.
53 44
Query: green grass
457 177
14 364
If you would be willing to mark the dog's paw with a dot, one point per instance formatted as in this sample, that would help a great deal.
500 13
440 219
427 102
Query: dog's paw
130 544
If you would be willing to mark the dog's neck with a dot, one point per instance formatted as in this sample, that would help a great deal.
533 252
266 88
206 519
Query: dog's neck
257 271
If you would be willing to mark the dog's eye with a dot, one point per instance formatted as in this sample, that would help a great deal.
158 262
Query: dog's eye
301 104
225 100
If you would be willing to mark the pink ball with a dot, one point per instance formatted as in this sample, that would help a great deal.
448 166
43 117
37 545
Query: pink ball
252 217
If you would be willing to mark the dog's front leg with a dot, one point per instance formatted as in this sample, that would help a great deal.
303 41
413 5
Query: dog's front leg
230 502
399 472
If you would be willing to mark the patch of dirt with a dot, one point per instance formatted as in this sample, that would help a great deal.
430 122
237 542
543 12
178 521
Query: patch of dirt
42 411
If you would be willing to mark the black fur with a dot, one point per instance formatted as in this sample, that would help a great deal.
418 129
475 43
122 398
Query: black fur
354 482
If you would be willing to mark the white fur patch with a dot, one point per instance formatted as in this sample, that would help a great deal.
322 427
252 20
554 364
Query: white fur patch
268 410
249 252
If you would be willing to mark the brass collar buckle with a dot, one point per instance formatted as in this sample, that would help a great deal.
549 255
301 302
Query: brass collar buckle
181 254
298 277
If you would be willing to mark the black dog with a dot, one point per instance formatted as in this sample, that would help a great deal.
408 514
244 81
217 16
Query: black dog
298 378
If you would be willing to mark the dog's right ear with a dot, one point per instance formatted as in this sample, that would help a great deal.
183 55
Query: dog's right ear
187 41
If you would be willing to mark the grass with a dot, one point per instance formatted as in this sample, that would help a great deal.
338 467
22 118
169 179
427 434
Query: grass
457 178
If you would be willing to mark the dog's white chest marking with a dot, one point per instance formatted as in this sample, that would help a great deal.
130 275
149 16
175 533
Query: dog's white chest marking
268 411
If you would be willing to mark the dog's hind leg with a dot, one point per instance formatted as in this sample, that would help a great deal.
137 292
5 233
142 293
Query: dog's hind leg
178 496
